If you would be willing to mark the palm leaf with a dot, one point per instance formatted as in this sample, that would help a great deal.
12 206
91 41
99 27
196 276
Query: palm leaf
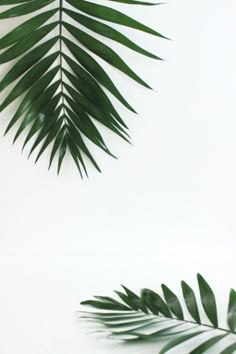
61 88
151 316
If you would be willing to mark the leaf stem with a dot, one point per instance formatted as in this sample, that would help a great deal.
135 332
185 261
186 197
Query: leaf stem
185 321
209 326
61 59
200 324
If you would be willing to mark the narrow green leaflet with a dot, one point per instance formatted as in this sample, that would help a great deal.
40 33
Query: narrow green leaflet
26 62
107 305
180 340
104 52
62 151
26 43
230 349
92 90
31 96
155 303
111 15
95 69
126 299
57 143
29 79
80 102
50 130
207 344
136 300
26 28
42 117
25 9
133 2
61 89
38 108
208 300
76 137
232 311
190 301
109 32
173 302
12 2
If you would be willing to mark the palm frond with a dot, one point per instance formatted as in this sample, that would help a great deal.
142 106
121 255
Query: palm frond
152 316
61 86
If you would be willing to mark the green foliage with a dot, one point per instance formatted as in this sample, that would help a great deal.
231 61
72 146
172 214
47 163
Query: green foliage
63 97
151 316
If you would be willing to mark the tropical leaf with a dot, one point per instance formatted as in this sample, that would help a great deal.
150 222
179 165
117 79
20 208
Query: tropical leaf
151 316
62 90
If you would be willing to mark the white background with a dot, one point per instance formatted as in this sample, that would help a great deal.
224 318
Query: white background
162 212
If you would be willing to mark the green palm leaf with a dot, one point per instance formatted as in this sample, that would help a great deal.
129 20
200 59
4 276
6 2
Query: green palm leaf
151 316
61 86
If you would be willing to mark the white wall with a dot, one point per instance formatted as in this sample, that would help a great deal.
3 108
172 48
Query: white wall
164 211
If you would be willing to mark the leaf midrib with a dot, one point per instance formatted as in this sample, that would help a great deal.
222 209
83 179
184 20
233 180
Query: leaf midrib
228 331
61 57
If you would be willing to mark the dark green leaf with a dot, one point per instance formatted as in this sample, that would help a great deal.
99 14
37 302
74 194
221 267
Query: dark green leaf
26 43
44 114
86 126
111 15
208 300
155 303
24 64
173 302
127 300
110 300
32 95
57 144
51 134
136 300
38 107
12 2
91 109
24 9
179 341
191 302
76 136
96 71
47 126
104 52
104 306
134 2
89 88
229 350
109 32
202 348
26 28
29 79
62 152
76 155
232 311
